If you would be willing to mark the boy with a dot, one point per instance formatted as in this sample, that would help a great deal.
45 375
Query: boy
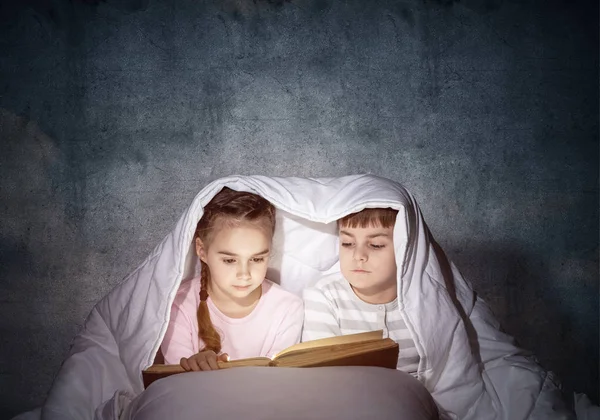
364 297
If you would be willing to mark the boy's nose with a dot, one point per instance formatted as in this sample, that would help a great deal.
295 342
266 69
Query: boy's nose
359 255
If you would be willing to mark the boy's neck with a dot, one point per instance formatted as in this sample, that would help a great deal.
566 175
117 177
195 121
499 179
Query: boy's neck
378 297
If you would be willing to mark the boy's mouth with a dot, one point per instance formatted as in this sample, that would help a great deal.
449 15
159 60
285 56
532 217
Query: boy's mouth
360 271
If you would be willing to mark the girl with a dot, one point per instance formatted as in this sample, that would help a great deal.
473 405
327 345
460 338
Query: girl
231 310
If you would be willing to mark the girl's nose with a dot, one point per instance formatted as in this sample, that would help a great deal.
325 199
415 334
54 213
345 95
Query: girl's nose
244 273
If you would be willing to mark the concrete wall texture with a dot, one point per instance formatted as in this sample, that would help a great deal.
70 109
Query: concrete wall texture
115 113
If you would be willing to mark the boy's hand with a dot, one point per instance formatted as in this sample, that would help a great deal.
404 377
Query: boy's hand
205 360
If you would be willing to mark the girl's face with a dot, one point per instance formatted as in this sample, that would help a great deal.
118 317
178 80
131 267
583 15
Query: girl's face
368 262
237 258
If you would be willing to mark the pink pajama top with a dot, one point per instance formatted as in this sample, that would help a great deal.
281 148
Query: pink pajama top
274 324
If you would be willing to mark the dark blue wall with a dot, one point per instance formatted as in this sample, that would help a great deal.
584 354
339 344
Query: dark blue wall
114 114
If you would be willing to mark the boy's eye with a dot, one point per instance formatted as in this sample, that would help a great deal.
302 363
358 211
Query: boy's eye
377 246
257 259
347 244
229 260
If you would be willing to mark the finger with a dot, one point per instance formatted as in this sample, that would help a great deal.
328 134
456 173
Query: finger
211 359
184 363
204 365
193 362
224 357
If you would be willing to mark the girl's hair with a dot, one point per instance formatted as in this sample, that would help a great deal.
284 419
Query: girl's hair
380 217
228 208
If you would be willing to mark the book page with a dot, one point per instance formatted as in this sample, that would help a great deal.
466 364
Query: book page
329 341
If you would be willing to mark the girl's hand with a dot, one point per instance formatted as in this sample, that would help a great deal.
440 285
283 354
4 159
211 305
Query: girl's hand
205 360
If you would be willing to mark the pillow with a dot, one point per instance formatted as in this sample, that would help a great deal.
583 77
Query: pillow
253 393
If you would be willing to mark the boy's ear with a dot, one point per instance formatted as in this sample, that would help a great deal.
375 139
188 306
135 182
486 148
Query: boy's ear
200 251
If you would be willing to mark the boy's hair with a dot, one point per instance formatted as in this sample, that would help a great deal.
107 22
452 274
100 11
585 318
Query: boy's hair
228 208
378 217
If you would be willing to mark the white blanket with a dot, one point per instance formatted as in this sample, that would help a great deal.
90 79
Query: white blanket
473 370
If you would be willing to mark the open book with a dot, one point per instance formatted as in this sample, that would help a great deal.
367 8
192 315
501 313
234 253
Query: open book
363 349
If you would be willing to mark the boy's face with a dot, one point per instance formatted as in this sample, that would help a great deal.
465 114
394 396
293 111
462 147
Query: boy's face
368 262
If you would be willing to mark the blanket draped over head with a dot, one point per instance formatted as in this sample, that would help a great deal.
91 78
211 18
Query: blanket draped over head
472 369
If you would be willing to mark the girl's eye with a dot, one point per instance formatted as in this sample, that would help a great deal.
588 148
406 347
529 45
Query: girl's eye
347 244
376 246
258 260
229 261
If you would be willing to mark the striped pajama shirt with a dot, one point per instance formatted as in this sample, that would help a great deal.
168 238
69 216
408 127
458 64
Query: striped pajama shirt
331 308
